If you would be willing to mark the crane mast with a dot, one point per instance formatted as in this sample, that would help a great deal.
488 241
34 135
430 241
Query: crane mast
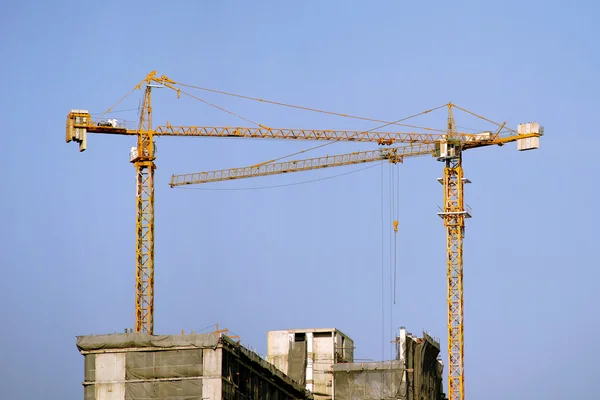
454 215
454 220
143 160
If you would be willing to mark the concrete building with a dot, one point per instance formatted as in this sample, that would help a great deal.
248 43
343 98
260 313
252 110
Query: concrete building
416 374
308 355
302 364
134 366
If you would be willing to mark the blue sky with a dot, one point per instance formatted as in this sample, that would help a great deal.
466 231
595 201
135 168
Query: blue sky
306 255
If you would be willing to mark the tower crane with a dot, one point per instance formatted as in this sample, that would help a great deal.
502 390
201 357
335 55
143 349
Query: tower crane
449 150
448 146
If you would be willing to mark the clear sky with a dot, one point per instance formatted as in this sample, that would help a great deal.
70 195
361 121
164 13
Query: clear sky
313 254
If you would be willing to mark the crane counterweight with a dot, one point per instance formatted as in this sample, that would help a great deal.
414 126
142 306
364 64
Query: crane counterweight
529 143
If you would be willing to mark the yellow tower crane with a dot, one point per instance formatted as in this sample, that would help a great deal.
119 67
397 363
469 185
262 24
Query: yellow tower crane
448 146
448 149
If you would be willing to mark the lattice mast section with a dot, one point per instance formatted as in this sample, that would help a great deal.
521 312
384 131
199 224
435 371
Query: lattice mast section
143 160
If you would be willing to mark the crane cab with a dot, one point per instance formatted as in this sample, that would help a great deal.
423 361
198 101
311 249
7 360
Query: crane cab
134 154
447 149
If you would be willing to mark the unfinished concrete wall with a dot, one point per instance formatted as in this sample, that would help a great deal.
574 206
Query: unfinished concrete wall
344 347
369 381
212 367
110 373
278 348
190 367
424 369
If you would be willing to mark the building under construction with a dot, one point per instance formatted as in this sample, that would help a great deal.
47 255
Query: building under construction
137 366
302 364
416 373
